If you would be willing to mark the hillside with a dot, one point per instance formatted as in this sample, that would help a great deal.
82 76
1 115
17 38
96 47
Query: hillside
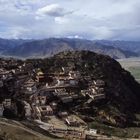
51 46
122 91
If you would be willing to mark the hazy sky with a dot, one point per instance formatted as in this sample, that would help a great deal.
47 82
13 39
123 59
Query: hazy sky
91 19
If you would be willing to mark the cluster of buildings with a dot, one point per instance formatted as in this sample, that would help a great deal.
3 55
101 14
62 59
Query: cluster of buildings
42 95
52 96
96 90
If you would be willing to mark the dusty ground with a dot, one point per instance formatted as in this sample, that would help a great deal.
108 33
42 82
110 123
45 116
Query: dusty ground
14 130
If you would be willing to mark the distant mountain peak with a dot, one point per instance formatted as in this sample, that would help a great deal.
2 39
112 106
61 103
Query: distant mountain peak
51 46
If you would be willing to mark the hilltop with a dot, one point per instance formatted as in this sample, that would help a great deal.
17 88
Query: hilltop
122 91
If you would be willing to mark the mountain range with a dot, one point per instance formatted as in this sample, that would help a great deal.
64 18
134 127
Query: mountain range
48 47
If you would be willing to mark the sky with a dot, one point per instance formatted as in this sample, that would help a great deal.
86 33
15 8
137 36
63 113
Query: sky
88 19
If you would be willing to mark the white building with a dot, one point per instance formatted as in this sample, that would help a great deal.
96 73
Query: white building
93 131
27 108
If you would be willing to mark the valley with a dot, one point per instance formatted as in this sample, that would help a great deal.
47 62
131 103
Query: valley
132 65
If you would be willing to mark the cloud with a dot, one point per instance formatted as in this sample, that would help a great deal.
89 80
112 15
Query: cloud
54 10
96 19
